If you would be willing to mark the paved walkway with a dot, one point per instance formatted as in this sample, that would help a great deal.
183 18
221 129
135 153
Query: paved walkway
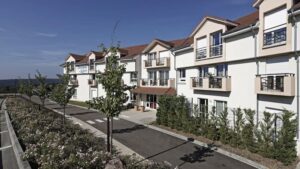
153 144
8 159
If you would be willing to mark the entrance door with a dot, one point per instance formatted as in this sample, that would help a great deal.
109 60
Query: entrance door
151 101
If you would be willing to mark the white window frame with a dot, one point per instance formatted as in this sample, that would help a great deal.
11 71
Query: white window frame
182 72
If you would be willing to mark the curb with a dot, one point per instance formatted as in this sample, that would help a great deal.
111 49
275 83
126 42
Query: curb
221 151
18 151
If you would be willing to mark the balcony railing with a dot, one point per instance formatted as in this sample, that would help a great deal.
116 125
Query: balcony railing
276 84
157 83
216 50
92 67
148 63
215 82
277 36
197 82
161 61
201 53
157 63
211 83
92 82
74 82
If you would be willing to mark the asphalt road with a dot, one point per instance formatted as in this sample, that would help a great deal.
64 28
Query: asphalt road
155 145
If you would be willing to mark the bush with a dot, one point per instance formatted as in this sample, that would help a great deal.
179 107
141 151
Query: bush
285 145
48 145
248 131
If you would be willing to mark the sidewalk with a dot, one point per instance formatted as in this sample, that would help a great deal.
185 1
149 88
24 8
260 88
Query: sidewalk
8 159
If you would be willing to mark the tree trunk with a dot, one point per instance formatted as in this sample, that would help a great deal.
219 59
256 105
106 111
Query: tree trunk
108 134
111 133
64 118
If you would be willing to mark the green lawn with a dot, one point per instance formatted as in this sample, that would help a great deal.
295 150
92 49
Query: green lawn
78 103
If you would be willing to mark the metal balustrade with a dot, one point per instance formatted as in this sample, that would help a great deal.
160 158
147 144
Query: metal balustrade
216 50
275 37
201 53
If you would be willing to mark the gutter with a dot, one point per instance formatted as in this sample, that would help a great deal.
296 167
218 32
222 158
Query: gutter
181 50
293 14
248 29
253 27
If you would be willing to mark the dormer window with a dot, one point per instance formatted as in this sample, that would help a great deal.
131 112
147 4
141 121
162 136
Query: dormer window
275 27
71 66
92 64
216 44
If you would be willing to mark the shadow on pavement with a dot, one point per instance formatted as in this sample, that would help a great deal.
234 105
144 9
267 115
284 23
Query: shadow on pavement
164 151
197 155
128 130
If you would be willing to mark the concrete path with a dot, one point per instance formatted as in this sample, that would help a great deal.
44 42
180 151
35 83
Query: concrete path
8 159
153 144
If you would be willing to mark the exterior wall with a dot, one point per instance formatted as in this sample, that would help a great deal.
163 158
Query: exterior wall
240 47
265 7
207 28
298 32
83 88
184 59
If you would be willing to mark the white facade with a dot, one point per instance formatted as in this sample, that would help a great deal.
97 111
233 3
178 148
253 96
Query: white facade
234 64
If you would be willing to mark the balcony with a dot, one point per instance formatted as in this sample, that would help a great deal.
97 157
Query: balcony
222 84
92 83
201 53
275 37
157 83
157 63
73 82
216 50
275 84
92 69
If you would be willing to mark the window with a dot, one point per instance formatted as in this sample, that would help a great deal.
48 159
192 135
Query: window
220 106
92 64
182 75
133 76
221 70
201 48
152 56
163 77
275 27
71 66
203 72
216 44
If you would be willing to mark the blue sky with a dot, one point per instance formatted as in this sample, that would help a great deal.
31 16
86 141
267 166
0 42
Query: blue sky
39 34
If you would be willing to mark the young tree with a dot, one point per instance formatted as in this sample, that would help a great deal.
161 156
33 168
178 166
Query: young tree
62 93
285 146
29 87
224 126
42 89
265 134
111 80
248 130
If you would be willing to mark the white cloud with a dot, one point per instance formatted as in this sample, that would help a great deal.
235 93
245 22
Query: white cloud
48 35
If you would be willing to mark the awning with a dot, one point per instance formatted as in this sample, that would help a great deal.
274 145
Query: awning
154 90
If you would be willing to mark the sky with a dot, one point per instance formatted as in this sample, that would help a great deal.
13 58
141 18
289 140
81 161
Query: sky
39 34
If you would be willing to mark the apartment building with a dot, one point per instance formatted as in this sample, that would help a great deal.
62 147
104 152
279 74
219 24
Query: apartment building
83 70
158 74
251 62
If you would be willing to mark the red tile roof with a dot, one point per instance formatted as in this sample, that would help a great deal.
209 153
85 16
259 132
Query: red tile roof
75 56
296 6
245 21
131 51
154 90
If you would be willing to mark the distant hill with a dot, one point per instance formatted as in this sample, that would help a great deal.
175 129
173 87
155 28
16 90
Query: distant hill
14 82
